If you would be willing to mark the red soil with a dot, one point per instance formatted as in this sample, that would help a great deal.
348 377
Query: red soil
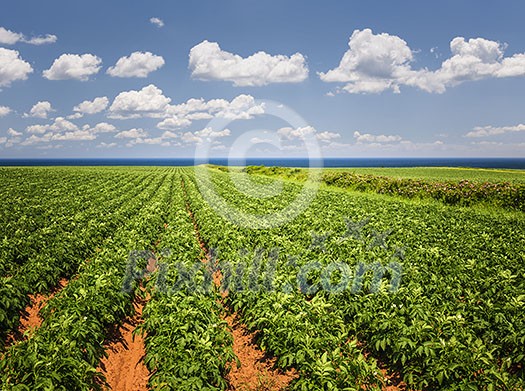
257 369
30 319
124 367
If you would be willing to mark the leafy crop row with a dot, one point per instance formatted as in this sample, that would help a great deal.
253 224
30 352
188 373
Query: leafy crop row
48 256
456 321
305 335
188 344
64 352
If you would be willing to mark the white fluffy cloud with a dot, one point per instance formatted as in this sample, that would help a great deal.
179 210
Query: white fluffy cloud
8 37
12 67
373 63
73 66
327 136
378 62
173 123
207 61
151 102
132 133
13 133
206 134
148 102
486 131
305 133
137 64
4 110
40 110
371 138
296 133
92 107
241 107
157 22
106 145
63 130
102 127
76 135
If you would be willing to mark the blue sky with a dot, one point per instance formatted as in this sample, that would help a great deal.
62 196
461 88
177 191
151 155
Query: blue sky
369 79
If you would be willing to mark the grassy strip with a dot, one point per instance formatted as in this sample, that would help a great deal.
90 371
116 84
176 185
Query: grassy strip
464 192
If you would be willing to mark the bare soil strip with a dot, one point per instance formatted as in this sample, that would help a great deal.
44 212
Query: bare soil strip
256 372
30 319
124 367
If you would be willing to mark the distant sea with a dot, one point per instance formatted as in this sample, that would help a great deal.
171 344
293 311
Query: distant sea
514 163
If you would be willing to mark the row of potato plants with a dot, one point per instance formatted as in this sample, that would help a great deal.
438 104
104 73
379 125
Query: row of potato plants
61 256
465 192
56 224
188 344
456 321
65 351
35 196
308 335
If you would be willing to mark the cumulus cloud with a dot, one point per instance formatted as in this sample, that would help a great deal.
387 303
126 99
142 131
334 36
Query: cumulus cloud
102 127
137 64
487 131
4 110
106 145
73 66
173 123
76 135
371 138
40 110
157 22
132 133
296 133
148 102
207 61
63 130
13 133
378 62
12 67
327 136
92 107
8 37
206 134
303 133
60 130
241 107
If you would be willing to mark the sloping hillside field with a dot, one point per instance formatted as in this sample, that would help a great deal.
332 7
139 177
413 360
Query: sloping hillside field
209 278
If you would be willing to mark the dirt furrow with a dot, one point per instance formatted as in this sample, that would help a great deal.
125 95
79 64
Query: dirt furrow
257 369
124 366
30 319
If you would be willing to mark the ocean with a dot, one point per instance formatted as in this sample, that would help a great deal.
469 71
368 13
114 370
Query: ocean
512 163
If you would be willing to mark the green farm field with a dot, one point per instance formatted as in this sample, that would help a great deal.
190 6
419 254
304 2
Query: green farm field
367 279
